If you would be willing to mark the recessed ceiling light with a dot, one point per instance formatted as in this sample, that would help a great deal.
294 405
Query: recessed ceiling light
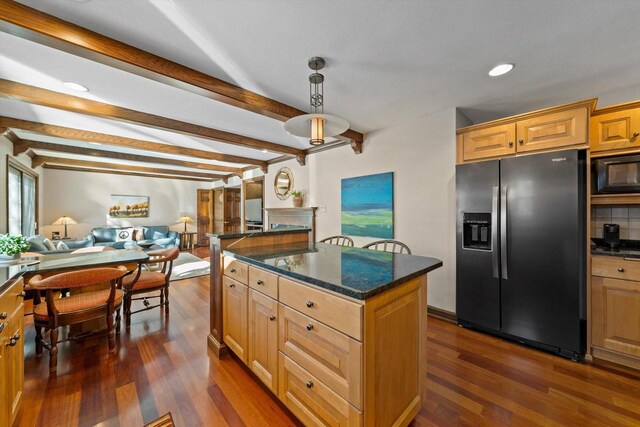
264 151
501 69
76 86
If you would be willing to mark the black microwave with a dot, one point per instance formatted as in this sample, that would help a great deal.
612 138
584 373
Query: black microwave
617 175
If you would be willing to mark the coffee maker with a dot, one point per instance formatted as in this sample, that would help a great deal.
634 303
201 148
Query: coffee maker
611 234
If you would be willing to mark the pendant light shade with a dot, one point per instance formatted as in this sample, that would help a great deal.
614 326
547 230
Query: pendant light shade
317 125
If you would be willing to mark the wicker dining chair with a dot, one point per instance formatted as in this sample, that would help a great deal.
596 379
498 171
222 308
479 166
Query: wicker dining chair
388 246
144 281
338 240
76 308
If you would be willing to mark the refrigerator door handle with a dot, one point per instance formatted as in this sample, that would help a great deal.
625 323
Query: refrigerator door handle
494 233
503 232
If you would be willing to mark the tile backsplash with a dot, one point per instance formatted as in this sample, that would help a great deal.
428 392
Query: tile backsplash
626 216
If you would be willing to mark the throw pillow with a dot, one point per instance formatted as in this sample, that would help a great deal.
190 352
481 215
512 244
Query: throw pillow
124 234
158 235
62 246
49 244
138 233
37 243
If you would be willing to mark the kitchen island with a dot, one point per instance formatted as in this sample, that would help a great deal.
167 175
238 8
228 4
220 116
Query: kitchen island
337 333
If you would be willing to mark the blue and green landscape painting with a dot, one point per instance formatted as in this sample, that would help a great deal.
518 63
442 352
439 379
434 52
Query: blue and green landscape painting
367 206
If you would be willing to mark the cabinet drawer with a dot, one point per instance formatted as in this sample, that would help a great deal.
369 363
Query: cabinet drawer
11 298
615 267
343 315
263 281
312 401
329 355
490 142
553 130
236 270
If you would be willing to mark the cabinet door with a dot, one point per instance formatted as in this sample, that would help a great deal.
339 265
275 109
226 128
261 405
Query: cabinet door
616 130
616 315
490 142
263 338
13 364
234 312
555 130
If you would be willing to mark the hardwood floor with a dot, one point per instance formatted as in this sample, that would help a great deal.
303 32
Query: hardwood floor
163 365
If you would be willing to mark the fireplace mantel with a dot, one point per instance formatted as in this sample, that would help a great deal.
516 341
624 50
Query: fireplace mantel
292 217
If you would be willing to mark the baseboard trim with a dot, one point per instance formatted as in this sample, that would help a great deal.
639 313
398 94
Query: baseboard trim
441 314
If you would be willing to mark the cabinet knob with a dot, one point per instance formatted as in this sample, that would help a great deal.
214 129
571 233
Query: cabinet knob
272 318
636 134
309 384
260 282
21 294
14 340
3 315
232 285
510 143
521 142
621 270
233 270
309 326
309 304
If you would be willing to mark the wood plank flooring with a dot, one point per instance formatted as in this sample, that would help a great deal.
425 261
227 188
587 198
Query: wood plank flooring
163 365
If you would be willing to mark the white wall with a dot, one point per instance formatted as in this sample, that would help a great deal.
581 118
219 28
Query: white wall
85 198
6 148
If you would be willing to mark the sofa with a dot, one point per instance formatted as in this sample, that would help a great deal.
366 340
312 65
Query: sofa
41 244
159 235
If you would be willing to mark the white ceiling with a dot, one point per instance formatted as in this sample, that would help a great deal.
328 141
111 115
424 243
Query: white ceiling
388 61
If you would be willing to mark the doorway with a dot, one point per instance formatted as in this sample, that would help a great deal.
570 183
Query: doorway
253 204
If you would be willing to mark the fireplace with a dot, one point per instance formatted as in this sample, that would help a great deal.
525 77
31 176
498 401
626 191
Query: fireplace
278 218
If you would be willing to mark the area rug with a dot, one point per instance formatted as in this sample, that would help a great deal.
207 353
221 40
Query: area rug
187 266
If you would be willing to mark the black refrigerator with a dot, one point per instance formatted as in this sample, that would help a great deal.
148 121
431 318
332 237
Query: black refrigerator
521 249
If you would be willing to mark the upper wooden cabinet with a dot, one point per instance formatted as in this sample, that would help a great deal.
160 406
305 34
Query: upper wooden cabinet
616 127
490 142
555 130
543 130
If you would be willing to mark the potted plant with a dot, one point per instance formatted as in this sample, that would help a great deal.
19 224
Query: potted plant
12 246
297 198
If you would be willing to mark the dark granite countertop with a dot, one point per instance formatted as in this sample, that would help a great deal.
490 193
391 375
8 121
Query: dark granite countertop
252 233
53 262
354 272
627 249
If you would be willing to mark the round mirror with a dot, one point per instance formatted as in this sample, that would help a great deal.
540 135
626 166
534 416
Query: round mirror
283 183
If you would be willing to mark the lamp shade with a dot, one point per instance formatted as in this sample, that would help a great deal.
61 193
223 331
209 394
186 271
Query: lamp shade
65 220
185 219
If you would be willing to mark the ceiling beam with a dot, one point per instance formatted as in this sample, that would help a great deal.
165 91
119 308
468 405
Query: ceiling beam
21 145
120 141
113 172
31 24
61 101
40 160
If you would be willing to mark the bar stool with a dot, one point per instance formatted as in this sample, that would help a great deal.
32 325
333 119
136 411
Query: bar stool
338 240
388 246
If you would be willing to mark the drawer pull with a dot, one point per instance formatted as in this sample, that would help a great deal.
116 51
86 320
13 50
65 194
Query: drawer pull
2 327
309 326
636 134
232 285
521 142
21 294
309 304
621 270
14 340
3 315
272 318
260 282
309 384
233 270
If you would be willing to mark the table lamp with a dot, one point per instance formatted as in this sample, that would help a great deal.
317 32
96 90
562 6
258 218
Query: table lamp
65 220
186 220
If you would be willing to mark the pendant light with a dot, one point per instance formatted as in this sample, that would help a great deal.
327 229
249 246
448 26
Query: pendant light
316 126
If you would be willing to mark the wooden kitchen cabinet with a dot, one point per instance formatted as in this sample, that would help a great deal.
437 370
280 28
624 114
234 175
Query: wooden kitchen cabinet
263 338
490 142
11 353
616 128
615 310
234 311
555 130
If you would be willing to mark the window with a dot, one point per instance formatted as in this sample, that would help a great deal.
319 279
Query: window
22 196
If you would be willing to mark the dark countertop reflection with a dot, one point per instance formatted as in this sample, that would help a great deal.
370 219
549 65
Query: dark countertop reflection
354 272
627 249
252 233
